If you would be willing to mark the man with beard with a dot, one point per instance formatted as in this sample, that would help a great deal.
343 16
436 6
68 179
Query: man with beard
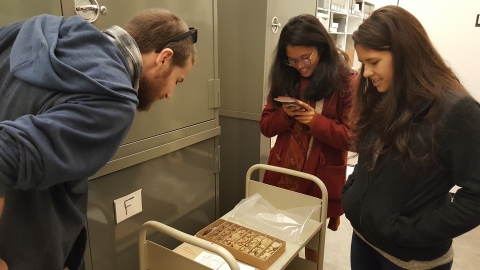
68 97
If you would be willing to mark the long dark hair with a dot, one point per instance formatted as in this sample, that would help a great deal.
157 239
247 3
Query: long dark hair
331 72
420 78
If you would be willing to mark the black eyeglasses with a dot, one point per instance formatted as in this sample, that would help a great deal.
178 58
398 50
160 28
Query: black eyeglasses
191 32
305 61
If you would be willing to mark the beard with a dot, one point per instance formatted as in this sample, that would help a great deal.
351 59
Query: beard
149 88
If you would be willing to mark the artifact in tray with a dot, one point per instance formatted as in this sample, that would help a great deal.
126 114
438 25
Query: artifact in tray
245 244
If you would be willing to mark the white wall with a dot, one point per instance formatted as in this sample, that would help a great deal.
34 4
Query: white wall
451 27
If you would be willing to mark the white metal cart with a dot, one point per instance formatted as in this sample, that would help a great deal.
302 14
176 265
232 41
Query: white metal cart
154 256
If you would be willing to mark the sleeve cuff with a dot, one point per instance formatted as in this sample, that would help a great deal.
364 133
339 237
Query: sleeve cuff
311 124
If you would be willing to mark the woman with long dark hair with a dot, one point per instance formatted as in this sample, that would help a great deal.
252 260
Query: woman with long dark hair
417 132
312 131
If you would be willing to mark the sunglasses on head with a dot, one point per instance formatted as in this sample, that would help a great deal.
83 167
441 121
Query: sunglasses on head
191 32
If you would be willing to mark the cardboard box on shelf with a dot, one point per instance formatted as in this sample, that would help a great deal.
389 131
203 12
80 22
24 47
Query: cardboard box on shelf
325 4
246 245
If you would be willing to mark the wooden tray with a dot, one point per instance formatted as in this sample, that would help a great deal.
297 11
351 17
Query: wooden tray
247 245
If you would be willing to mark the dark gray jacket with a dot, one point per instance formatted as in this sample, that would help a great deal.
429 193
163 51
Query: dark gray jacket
66 103
404 209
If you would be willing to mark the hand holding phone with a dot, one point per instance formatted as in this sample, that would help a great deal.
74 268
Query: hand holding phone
307 116
290 105
291 102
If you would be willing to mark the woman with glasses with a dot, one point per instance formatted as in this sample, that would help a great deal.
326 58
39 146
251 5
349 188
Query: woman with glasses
417 132
312 132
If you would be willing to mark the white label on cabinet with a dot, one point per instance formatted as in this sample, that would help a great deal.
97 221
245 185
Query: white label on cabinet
128 206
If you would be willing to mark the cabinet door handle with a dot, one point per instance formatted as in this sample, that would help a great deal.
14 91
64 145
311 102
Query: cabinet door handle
276 24
86 8
89 12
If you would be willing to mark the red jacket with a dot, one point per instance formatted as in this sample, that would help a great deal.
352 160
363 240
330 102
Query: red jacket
328 156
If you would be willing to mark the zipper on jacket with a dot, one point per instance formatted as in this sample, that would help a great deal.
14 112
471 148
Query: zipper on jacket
369 174
363 195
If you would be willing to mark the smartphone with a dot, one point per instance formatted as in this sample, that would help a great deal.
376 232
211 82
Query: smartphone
291 102
284 99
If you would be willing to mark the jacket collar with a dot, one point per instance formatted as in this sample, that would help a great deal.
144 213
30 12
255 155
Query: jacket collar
127 45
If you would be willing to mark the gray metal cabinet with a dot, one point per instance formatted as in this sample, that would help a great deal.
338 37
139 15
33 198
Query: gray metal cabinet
192 109
190 102
248 33
177 189
18 10
171 151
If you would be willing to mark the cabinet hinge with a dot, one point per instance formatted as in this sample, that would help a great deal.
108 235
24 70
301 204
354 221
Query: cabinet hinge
214 154
213 93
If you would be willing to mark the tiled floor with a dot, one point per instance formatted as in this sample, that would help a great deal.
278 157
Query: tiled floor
337 249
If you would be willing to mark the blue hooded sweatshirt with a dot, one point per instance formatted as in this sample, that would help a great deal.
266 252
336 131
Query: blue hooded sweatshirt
66 104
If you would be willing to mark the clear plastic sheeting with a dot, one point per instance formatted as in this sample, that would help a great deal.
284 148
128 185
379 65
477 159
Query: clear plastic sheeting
259 214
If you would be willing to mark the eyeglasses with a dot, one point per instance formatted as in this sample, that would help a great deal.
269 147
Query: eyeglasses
294 63
191 32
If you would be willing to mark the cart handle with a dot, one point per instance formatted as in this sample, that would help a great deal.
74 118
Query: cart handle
184 237
320 184
307 176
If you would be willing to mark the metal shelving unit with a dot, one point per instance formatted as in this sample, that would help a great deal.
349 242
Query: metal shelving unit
341 18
